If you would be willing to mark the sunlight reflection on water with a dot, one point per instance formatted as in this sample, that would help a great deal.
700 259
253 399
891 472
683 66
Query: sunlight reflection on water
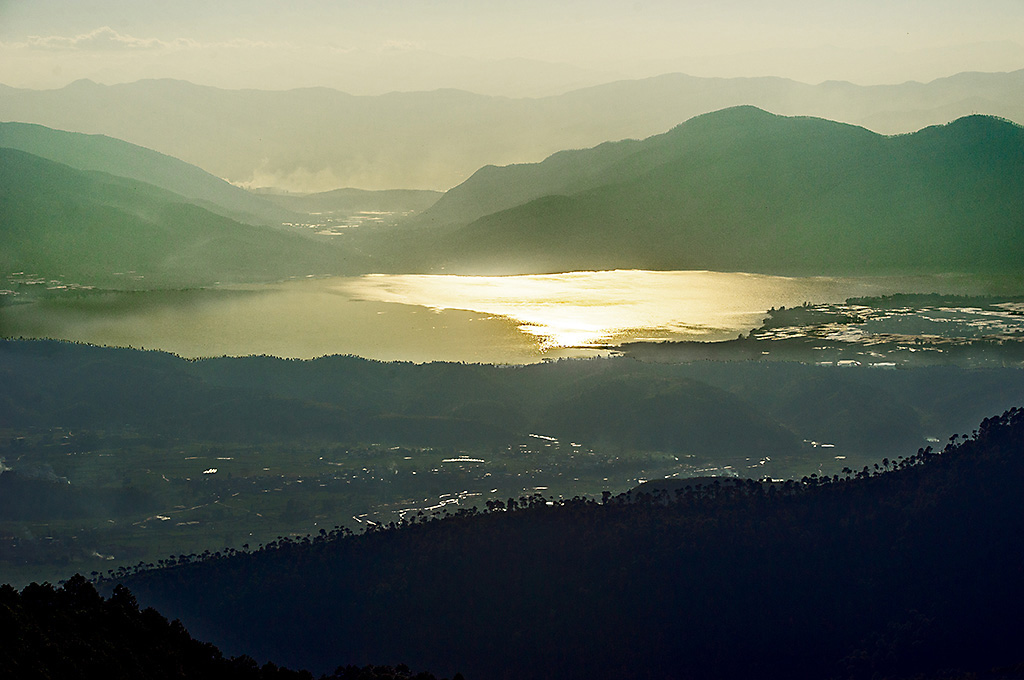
421 318
600 308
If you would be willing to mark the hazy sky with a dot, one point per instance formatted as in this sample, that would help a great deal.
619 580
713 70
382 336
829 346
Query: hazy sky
522 47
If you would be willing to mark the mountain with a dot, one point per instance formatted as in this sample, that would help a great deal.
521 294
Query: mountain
92 228
745 190
317 139
116 157
911 571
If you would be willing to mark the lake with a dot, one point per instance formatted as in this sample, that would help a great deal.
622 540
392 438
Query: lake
420 318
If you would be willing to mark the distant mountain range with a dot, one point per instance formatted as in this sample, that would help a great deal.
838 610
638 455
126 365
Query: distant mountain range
319 139
745 190
94 228
733 190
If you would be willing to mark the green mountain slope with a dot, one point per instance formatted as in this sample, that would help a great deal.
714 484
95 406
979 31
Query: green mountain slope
97 229
106 154
742 189
493 188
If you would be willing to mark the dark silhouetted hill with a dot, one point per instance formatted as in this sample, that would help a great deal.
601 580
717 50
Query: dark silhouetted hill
72 632
910 571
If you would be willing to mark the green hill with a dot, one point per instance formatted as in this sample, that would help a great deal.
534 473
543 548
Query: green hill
742 189
96 229
106 154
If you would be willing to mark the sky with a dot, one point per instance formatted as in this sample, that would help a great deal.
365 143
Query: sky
521 48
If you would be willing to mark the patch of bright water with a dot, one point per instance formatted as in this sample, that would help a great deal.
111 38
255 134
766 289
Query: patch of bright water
602 308
509 319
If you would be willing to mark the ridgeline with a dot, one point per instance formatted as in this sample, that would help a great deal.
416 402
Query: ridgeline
910 569
744 190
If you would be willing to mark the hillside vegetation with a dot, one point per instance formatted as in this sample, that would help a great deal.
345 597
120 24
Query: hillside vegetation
909 570
72 632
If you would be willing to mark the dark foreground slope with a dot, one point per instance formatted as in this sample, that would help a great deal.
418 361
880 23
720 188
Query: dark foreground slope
744 190
887 575
72 632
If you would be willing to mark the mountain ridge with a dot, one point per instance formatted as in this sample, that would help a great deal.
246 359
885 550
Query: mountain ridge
745 190
853 576
316 139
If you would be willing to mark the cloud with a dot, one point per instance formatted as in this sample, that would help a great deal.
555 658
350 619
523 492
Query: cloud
106 39
103 39
399 46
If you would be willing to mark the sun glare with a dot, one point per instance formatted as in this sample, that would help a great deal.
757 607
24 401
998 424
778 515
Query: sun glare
593 309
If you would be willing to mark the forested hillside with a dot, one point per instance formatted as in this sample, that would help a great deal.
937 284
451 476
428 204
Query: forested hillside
72 632
908 569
